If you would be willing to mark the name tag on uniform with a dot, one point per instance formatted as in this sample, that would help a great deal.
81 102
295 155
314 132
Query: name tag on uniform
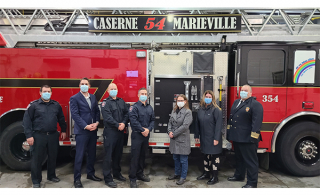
228 126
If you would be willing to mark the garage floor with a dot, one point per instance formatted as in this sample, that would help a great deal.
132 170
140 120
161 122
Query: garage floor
159 166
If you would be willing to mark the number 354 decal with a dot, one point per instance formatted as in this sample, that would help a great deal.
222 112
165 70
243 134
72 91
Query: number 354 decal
269 98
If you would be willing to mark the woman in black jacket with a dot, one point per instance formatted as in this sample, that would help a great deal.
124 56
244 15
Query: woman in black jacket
209 126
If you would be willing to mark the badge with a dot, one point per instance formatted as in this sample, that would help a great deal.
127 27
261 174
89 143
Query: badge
247 109
103 104
130 108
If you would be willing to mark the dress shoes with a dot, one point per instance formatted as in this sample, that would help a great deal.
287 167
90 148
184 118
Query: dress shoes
133 184
78 184
172 177
249 186
143 178
111 184
93 178
119 177
54 179
181 181
213 180
205 175
233 178
37 185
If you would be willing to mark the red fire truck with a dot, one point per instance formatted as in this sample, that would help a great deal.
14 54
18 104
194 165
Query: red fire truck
285 79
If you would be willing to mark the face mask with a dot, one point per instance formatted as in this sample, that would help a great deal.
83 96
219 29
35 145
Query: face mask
84 88
143 98
243 94
46 95
113 93
180 104
207 100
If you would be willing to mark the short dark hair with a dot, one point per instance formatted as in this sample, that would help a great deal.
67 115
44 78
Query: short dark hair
85 78
142 89
45 86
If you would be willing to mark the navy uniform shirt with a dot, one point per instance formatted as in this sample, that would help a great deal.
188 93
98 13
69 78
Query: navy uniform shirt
245 121
141 115
114 111
43 116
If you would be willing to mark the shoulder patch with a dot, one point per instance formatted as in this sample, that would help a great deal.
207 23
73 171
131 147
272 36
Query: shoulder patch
130 109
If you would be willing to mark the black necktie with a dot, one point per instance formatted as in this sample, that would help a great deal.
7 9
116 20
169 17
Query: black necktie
239 103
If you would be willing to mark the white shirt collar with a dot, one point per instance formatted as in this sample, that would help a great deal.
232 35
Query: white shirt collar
85 96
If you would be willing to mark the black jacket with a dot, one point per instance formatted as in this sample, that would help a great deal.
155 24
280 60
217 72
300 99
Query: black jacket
114 112
141 115
209 127
42 116
245 121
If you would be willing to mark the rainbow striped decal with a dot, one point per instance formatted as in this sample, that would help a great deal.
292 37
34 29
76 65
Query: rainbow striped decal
302 68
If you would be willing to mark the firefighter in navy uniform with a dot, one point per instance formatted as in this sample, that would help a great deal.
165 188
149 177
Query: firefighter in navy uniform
115 117
141 117
244 125
40 127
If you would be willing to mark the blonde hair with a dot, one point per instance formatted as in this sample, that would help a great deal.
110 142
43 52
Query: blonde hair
203 103
185 106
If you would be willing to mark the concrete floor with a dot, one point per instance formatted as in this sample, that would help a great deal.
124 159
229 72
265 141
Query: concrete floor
159 166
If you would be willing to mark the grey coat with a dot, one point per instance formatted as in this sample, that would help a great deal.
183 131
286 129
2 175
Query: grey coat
179 126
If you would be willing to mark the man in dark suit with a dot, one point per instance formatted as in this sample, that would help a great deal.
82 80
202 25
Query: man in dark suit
244 125
86 115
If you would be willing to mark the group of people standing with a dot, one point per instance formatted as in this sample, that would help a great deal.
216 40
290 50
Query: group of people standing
42 115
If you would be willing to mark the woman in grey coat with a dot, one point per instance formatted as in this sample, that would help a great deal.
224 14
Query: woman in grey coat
178 131
209 126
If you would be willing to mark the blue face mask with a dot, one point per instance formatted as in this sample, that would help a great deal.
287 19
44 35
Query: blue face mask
113 93
243 94
207 100
46 95
143 98
84 88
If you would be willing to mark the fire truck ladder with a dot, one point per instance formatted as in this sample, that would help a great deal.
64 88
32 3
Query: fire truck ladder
68 28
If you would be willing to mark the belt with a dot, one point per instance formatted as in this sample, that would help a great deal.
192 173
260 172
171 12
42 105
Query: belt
46 132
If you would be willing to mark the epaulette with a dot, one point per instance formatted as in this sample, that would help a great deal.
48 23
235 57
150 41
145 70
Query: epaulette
32 103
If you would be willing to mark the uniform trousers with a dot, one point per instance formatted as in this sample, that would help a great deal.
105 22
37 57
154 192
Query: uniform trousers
85 143
113 147
44 144
139 146
246 159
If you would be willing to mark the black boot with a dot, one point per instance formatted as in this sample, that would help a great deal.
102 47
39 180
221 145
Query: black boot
214 178
205 175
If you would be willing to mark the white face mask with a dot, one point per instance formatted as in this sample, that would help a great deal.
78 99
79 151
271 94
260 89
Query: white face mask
180 104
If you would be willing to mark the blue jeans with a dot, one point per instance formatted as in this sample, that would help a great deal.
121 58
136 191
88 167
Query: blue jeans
180 165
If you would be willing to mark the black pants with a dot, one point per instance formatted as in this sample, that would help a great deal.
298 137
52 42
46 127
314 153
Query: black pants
113 147
44 144
139 146
86 143
211 162
246 159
